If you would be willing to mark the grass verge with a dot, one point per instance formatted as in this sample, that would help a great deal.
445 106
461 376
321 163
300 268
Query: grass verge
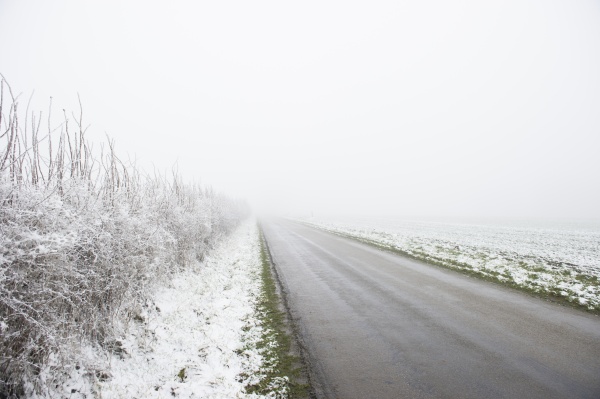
284 372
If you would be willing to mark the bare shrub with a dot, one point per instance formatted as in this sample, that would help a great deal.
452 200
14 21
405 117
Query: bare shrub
84 238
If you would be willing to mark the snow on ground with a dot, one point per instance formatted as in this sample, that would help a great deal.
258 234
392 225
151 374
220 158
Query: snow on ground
199 336
562 260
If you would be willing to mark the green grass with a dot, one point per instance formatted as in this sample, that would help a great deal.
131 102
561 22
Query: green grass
282 370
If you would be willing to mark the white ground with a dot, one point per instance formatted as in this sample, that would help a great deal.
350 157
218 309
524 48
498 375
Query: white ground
198 329
195 325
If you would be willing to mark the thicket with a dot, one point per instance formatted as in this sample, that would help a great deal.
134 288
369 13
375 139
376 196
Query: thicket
84 238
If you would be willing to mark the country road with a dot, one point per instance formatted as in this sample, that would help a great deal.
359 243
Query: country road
377 325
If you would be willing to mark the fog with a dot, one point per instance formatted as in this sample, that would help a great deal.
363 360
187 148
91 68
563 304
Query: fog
413 108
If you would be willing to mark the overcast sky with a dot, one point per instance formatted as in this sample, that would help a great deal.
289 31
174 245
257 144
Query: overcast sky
419 108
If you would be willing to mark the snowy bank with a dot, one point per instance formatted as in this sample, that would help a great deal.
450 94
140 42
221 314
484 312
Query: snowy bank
196 338
189 343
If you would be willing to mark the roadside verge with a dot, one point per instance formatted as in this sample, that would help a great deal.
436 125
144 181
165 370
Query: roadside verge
285 353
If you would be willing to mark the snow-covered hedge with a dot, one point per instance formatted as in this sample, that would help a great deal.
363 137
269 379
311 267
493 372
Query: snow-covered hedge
84 238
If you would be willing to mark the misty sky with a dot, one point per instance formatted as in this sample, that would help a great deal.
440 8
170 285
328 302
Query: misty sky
419 108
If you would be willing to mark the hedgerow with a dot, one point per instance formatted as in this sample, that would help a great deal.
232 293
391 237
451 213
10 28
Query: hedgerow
84 239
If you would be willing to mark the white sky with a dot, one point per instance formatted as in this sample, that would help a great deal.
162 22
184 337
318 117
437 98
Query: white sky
454 108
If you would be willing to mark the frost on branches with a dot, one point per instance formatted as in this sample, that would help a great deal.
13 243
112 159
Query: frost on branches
84 239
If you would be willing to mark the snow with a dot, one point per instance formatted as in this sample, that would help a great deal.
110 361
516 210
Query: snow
196 326
197 337
558 259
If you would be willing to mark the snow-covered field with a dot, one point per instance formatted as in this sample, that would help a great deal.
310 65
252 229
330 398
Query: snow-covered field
197 338
555 258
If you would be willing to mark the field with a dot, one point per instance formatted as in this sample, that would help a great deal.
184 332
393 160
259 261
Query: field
559 260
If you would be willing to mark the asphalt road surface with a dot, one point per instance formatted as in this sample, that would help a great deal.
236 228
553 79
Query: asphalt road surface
378 325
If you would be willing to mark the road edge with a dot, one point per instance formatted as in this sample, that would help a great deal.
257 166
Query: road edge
297 347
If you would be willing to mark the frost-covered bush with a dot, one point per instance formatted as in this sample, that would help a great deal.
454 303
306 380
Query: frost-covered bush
83 240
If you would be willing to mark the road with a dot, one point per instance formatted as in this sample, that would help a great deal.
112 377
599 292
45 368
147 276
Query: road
378 325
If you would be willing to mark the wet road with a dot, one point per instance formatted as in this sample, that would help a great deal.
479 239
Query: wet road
377 325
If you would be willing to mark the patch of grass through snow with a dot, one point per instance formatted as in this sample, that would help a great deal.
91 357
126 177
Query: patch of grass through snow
282 369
